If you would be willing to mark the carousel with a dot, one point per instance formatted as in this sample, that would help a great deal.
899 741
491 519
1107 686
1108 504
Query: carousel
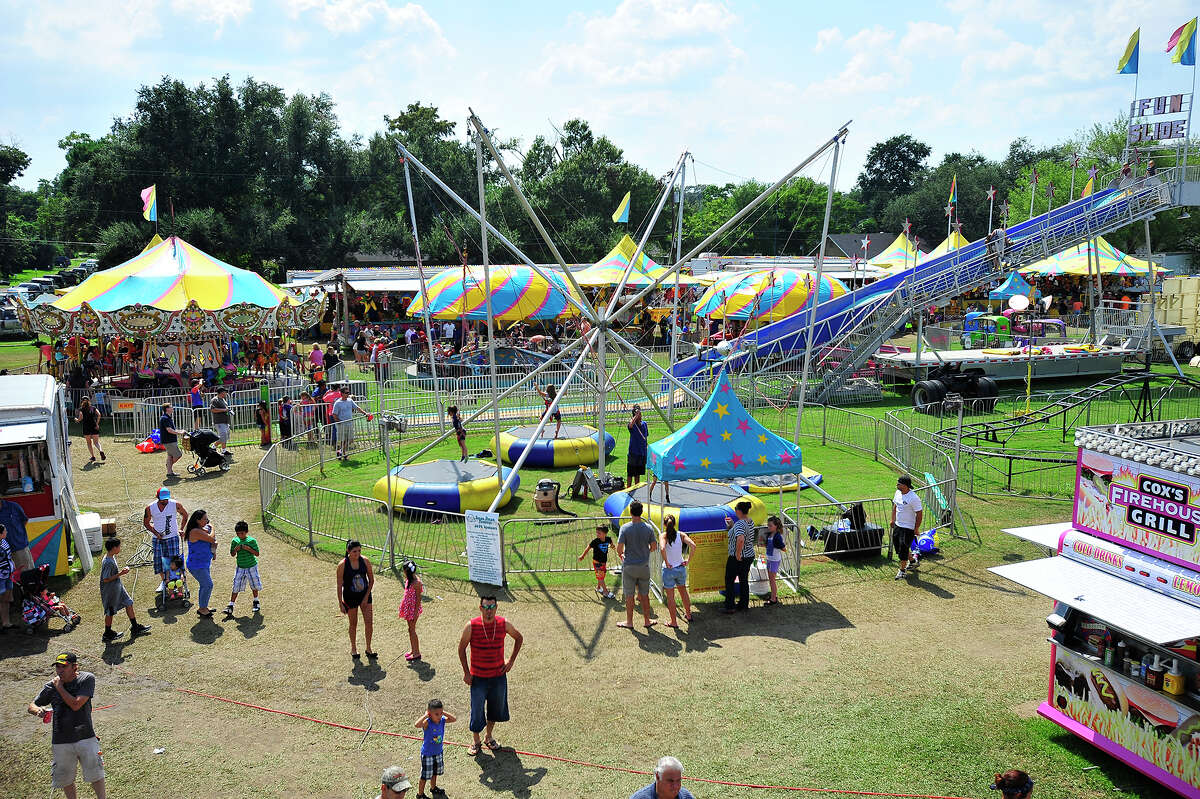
170 313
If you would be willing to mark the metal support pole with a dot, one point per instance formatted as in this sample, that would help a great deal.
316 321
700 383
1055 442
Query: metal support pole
920 340
537 432
645 389
391 512
345 312
537 222
815 294
487 292
412 215
738 217
558 356
654 365
601 357
675 327
577 302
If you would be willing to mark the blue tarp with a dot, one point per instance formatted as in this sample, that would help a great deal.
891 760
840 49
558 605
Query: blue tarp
1013 285
722 441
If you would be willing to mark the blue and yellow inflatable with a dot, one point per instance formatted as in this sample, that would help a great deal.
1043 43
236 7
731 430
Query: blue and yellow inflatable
444 485
576 445
697 505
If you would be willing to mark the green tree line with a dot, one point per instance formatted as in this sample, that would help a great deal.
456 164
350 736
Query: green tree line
269 181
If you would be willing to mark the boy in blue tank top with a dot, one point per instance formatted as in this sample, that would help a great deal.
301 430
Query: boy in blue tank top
432 766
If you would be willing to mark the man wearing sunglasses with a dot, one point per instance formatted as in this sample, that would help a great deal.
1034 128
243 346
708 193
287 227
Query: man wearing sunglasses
487 672
68 700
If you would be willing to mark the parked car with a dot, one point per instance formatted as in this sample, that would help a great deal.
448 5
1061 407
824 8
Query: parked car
91 265
8 320
60 261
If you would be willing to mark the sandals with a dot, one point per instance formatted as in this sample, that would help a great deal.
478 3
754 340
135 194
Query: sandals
355 656
492 743
410 657
473 750
372 655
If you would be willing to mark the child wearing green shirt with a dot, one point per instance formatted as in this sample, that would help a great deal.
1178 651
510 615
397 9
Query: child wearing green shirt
245 549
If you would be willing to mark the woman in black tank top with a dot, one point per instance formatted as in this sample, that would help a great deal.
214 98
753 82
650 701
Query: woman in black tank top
88 418
355 579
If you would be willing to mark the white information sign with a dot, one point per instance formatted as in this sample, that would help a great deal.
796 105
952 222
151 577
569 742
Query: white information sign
484 562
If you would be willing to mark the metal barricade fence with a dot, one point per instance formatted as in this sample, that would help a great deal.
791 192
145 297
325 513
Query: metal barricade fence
416 536
341 516
552 544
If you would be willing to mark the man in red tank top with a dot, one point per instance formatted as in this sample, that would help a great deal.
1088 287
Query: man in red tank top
487 672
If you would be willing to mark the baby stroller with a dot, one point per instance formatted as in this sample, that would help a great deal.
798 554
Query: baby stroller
38 603
175 586
200 444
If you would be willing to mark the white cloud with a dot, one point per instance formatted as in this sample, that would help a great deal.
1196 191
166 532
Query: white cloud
216 12
828 38
101 35
352 16
644 43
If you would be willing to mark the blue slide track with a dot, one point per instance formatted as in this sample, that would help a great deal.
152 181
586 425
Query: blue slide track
842 313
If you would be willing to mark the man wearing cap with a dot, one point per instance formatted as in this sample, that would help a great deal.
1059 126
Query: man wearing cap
341 413
68 698
168 436
907 512
636 458
162 522
395 783
220 417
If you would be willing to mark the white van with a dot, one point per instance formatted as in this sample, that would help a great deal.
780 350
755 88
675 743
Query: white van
35 470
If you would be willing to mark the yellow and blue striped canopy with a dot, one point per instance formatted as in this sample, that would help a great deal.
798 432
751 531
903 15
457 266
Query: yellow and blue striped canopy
768 294
167 276
517 293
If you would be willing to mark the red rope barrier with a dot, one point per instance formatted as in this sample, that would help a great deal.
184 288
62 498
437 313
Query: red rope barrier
844 791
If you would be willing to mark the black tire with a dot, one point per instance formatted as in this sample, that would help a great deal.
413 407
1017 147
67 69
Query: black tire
988 393
926 393
1185 350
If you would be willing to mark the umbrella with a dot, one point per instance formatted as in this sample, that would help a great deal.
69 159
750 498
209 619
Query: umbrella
763 294
517 293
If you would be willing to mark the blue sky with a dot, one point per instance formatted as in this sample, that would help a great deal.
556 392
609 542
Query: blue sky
749 88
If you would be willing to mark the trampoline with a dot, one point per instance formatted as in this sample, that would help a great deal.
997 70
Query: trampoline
697 505
774 483
444 485
576 445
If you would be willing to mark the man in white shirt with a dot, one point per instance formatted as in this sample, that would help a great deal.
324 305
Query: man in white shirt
907 512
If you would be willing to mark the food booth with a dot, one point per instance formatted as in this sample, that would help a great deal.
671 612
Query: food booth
1125 628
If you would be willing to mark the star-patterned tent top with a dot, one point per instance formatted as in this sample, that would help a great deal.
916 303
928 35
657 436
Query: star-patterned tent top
724 440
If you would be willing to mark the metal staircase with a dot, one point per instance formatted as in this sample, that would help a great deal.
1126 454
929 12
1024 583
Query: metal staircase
860 328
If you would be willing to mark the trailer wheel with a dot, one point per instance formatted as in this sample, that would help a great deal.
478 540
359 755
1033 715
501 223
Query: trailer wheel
927 393
988 393
1185 350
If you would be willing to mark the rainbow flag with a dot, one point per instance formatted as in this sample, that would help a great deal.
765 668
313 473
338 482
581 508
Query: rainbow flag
150 203
1182 44
622 212
954 189
1128 65
1088 188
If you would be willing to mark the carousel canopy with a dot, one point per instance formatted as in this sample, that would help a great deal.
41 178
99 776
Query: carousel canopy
769 294
724 440
173 290
517 293
1106 257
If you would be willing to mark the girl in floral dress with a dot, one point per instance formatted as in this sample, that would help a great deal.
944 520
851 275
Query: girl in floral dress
410 608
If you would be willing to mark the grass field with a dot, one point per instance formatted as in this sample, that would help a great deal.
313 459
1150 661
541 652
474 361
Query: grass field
857 682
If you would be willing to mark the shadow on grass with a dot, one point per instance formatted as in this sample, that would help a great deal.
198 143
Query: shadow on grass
422 669
249 626
796 618
206 630
1104 768
367 675
506 772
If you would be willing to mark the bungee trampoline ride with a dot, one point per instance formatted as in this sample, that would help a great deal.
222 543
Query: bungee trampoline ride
576 445
444 485
697 505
